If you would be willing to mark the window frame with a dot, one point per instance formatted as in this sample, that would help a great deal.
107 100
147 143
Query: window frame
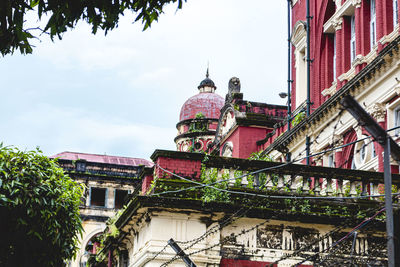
334 57
105 197
352 38
372 23
395 13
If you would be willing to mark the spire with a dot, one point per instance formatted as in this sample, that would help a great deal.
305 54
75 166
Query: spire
207 85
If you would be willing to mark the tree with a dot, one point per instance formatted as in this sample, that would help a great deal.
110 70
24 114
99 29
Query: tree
62 15
39 210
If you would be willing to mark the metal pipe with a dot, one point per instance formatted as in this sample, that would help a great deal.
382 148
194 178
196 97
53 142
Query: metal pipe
389 204
307 150
308 57
289 79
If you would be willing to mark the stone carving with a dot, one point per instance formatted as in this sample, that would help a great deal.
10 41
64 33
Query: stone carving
378 111
270 237
356 3
233 88
234 85
227 149
337 23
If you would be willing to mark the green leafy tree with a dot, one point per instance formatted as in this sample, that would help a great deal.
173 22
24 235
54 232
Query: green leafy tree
39 210
62 15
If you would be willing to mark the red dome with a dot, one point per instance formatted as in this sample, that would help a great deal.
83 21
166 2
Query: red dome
209 104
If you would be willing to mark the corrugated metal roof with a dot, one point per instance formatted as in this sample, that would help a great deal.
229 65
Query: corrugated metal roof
103 158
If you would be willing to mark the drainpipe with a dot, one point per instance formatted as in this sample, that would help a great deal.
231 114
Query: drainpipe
308 76
289 79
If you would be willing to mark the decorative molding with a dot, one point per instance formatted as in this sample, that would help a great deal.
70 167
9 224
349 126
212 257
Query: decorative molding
356 3
337 23
347 9
331 90
298 37
378 111
391 36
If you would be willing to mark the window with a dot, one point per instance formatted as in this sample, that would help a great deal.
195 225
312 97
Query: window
372 24
334 57
331 160
352 38
395 13
98 197
397 120
81 166
120 196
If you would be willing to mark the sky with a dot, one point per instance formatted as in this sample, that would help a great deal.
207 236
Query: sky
121 94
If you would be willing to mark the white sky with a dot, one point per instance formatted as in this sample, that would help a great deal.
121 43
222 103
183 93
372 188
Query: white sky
121 94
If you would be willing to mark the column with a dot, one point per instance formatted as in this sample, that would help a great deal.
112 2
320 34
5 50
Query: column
339 50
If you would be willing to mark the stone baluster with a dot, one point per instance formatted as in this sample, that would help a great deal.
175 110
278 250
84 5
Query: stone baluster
280 182
329 191
270 183
256 183
306 185
293 183
231 177
353 191
317 186
364 185
245 182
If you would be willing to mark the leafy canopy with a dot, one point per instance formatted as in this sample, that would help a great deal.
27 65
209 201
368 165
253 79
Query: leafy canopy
64 14
39 210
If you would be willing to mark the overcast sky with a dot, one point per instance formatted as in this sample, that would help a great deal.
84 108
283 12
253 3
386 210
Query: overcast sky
121 94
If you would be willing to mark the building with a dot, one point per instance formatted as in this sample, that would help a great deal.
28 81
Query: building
226 210
251 212
108 181
354 50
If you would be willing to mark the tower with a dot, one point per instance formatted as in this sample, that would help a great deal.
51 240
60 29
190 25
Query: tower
198 118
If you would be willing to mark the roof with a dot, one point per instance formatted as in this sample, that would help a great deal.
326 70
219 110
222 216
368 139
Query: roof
209 104
103 158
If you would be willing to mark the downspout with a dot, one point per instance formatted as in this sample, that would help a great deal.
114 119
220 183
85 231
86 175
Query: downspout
308 77
289 79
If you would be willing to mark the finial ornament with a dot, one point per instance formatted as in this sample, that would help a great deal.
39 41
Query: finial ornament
207 74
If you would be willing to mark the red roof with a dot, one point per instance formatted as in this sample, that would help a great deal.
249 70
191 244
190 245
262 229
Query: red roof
209 104
103 158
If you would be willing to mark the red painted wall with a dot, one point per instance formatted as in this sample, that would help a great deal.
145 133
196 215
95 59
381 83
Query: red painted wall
244 140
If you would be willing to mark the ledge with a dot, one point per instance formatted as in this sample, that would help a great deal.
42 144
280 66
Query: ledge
176 155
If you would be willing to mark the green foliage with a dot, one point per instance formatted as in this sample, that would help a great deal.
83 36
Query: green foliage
199 124
298 118
210 194
39 210
62 15
260 156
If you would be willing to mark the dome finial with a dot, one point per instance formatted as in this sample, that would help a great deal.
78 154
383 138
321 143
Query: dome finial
208 66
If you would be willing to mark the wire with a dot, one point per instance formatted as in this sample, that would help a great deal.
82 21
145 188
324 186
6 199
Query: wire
214 245
157 254
201 185
264 196
359 226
